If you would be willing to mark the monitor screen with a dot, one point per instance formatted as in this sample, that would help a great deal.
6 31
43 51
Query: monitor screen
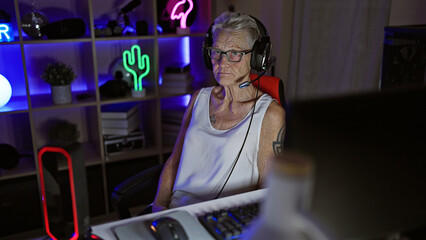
369 152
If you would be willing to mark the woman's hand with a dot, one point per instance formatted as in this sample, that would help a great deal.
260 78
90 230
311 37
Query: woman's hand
158 208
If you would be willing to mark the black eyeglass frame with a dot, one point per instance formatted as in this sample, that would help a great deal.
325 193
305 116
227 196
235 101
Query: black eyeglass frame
226 53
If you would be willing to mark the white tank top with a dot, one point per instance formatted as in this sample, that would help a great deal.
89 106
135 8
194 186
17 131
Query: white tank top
208 155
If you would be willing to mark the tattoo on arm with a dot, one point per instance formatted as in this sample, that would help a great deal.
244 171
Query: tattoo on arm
278 145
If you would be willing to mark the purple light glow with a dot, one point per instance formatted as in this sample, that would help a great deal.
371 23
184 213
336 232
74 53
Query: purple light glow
185 99
186 51
181 49
176 102
75 54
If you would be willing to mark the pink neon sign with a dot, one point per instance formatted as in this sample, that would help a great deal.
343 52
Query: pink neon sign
182 15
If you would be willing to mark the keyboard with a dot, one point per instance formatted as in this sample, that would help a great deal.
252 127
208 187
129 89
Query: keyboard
229 223
223 218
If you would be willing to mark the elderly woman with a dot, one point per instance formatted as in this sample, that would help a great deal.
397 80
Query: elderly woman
228 133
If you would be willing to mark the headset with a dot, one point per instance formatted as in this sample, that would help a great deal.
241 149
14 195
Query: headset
261 51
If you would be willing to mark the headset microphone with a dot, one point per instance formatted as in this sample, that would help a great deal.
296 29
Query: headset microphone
247 83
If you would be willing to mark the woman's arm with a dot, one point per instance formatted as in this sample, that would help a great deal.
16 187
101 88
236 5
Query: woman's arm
271 139
168 175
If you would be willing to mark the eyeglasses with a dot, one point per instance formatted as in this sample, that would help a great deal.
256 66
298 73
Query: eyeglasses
231 55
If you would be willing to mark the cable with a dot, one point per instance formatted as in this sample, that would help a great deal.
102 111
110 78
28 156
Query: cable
245 138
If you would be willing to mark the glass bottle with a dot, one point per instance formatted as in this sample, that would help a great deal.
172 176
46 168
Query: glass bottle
283 214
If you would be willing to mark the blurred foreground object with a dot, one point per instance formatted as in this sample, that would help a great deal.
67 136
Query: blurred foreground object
284 215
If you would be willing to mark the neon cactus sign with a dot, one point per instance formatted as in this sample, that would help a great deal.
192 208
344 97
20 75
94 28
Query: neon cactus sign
182 15
6 30
129 59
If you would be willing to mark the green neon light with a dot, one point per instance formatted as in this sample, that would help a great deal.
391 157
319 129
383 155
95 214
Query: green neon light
129 59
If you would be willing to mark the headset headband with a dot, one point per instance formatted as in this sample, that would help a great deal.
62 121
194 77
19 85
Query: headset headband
260 52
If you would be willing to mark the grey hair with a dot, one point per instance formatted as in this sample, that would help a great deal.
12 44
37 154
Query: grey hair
233 21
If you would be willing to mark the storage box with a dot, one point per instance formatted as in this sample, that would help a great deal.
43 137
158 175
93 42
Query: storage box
116 144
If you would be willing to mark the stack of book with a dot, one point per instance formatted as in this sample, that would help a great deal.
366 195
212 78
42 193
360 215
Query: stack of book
177 80
120 119
171 122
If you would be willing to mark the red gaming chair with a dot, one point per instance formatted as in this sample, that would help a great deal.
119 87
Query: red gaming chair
271 85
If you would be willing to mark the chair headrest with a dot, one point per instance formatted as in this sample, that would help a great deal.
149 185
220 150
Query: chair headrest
272 86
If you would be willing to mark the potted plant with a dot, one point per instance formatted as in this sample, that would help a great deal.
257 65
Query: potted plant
60 76
63 131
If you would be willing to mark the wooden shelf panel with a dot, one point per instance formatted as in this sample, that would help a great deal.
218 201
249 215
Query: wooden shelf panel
15 104
127 98
22 62
140 153
45 102
91 157
29 41
26 167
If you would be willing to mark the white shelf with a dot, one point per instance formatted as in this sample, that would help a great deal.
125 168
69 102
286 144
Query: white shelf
23 119
26 167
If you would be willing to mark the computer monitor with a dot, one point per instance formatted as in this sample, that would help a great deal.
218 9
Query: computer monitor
369 152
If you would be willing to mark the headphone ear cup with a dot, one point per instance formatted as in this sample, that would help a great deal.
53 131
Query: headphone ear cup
260 54
255 58
206 58
208 42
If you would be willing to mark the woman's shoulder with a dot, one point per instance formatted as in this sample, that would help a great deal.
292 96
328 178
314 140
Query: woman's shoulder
275 113
273 107
205 90
194 96
197 93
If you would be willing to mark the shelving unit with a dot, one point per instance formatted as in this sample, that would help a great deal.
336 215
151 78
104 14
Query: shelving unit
24 121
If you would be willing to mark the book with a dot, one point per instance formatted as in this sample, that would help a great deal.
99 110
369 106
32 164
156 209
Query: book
169 141
176 84
186 76
184 87
121 123
120 131
172 121
176 90
173 115
170 128
176 111
177 68
170 132
118 111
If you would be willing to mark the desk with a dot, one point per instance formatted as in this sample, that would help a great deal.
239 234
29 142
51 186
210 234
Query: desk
106 231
